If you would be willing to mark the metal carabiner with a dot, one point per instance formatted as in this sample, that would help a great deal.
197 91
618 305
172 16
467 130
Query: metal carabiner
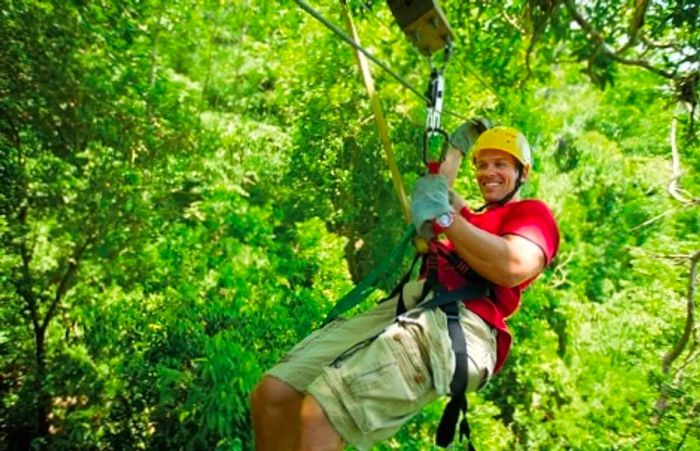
435 97
428 140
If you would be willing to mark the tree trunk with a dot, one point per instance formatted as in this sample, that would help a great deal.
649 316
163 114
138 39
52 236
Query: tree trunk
43 399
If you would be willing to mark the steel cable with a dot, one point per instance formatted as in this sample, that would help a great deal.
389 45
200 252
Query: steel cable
316 15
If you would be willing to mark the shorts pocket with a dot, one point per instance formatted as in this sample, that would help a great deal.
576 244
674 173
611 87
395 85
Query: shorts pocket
388 381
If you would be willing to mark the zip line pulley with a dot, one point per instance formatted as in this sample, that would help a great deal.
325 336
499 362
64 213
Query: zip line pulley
426 26
424 23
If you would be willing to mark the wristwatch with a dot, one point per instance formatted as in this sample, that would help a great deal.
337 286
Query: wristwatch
443 222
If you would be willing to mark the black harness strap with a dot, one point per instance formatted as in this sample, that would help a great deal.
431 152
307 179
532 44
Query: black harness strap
447 301
458 388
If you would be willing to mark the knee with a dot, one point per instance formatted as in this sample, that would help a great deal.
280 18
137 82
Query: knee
272 394
311 413
317 433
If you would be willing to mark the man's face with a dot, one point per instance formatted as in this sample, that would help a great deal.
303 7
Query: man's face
496 174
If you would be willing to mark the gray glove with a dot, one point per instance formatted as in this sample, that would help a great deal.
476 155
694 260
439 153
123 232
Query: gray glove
429 200
466 134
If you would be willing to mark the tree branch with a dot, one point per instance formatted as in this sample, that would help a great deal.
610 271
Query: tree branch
599 40
62 287
672 355
539 25
673 187
689 329
662 402
660 45
513 22
559 275
636 23
656 218
690 416
25 285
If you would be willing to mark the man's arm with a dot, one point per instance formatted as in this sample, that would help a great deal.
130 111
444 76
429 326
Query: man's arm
504 260
450 167
461 140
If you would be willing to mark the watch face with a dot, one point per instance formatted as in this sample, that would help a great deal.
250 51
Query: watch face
445 220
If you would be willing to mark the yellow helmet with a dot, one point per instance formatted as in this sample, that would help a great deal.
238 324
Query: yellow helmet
508 140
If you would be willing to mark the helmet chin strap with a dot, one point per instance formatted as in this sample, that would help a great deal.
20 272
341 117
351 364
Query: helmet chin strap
505 199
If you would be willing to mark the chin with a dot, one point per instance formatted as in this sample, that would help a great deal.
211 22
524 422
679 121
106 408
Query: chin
489 198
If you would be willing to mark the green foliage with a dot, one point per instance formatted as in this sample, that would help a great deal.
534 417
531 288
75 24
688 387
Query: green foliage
187 187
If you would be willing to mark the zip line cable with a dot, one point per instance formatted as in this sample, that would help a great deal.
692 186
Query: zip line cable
316 15
306 7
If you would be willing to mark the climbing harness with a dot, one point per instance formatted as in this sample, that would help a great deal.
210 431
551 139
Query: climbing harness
445 300
448 301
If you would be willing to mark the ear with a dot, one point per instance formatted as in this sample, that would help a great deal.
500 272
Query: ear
524 173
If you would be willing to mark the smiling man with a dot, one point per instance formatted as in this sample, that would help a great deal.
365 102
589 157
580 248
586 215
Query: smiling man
357 380
497 152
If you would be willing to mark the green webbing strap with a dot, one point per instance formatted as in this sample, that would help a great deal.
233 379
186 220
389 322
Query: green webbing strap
366 287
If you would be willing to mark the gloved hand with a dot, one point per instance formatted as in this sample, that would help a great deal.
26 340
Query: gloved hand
429 200
466 134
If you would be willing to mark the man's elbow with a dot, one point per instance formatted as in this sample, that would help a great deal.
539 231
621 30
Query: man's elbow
505 278
518 274
512 280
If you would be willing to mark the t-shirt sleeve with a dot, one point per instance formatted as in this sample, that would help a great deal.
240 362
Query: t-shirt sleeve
532 220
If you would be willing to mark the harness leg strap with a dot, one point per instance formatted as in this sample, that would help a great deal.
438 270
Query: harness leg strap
458 387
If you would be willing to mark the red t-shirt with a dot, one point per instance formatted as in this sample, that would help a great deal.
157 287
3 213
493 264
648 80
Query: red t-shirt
530 219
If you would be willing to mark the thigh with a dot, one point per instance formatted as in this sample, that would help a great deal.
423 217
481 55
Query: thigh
371 393
305 361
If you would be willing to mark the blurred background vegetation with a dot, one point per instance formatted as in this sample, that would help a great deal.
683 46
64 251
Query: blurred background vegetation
188 186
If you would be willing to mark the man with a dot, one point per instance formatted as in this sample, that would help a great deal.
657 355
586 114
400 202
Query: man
358 380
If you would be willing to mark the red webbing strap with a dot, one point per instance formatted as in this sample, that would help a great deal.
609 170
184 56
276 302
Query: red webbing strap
433 167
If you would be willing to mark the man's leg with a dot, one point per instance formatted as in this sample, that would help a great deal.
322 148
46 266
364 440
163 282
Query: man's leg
317 433
276 408
276 405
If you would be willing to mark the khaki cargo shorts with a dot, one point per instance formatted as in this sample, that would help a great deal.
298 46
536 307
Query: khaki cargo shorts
373 372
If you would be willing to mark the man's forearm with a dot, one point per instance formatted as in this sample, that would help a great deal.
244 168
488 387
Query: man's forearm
450 167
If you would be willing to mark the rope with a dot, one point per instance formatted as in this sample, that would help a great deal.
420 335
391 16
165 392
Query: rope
379 119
